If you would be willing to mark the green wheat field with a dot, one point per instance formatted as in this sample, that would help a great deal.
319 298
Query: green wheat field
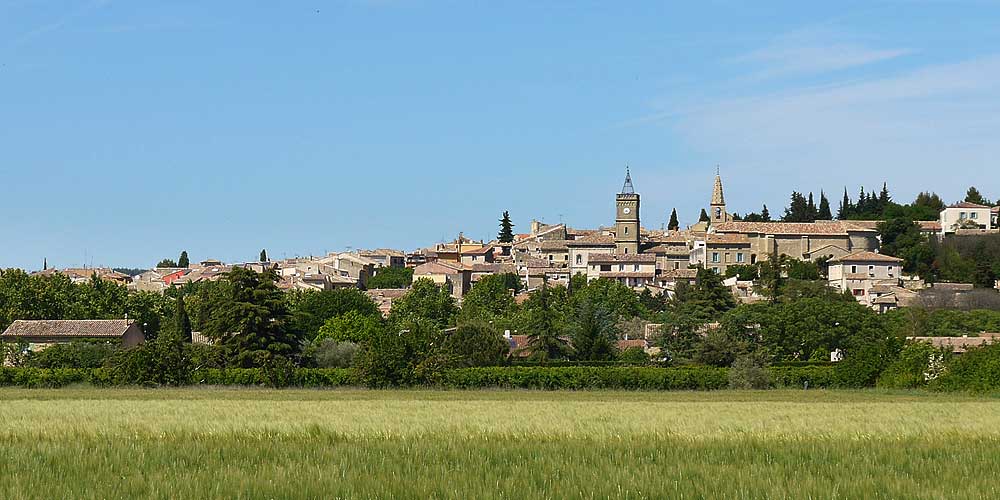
254 443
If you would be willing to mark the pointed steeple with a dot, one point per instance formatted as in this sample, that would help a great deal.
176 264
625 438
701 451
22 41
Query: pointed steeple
627 188
717 197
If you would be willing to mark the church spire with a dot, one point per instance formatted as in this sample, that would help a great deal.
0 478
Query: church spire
717 197
627 188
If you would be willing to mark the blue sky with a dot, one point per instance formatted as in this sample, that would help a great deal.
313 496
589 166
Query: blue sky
132 130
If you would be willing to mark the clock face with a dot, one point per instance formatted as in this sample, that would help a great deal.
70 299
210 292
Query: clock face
626 210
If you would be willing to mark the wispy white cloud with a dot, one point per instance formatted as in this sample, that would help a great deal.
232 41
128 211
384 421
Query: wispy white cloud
932 127
813 51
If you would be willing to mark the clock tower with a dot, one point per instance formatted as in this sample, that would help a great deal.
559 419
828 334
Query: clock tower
627 218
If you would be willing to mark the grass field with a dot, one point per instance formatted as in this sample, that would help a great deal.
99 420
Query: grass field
203 442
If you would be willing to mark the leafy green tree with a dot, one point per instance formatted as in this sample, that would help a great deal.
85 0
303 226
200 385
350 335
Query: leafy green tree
183 260
167 263
902 238
709 298
546 324
399 357
491 299
633 356
802 270
181 325
652 303
253 318
312 309
476 343
618 300
506 234
351 326
674 224
931 201
391 277
743 272
593 332
425 300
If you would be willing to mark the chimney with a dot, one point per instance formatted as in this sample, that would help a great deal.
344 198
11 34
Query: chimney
506 334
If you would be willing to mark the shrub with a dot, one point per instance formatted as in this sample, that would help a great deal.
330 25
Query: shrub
351 326
329 353
977 369
749 371
160 362
78 354
586 377
912 368
476 344
390 358
634 356
818 376
862 365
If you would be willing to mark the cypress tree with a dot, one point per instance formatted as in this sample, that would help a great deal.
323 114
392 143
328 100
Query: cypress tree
263 255
845 207
183 260
811 211
765 215
703 217
182 323
674 224
824 208
506 234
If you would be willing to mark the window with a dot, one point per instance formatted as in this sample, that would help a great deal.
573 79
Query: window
579 259
859 292
717 270
550 257
606 267
677 265
626 229
718 213
715 256
626 249
973 215
961 216
621 267
854 269
727 257
635 267
739 257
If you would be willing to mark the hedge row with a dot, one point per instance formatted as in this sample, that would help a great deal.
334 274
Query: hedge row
514 377
586 377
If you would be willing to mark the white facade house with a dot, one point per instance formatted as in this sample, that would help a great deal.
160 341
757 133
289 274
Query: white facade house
967 216
860 272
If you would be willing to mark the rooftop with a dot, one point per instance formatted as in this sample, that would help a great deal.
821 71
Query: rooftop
82 328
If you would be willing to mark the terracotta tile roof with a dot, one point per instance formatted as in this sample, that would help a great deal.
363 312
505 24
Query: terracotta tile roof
478 251
868 257
437 267
86 328
669 274
625 344
966 204
929 225
727 239
667 250
793 228
596 240
635 258
956 344
547 271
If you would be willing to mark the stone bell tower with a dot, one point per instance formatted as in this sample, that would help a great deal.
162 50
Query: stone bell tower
717 209
627 218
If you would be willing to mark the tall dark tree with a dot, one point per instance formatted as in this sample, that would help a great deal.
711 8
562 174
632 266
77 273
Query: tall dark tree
811 208
798 209
506 234
846 207
263 255
765 216
593 332
674 224
166 263
883 198
251 316
183 260
929 200
181 326
45 263
823 213
546 339
703 216
974 196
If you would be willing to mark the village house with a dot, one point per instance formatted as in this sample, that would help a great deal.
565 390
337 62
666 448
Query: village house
39 334
632 270
384 257
859 272
968 217
84 275
455 277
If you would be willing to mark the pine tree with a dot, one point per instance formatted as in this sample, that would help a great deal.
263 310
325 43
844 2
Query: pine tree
824 208
674 224
506 234
798 209
703 217
765 215
974 196
545 327
883 198
183 260
263 255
